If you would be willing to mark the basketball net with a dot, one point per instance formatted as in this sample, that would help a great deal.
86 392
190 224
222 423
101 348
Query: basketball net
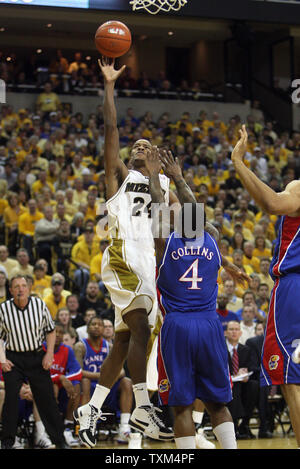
155 6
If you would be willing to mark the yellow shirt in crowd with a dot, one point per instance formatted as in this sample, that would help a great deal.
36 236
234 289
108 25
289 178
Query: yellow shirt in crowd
27 222
82 252
48 102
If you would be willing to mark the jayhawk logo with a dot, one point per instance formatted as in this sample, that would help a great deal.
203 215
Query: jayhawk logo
163 385
273 362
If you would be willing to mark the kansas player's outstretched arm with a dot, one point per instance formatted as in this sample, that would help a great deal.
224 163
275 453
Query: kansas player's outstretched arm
115 170
172 169
282 203
153 166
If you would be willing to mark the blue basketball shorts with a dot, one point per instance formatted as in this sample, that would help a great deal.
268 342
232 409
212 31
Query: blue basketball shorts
282 334
192 360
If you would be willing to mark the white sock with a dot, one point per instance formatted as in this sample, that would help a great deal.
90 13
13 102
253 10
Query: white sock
185 442
99 396
197 416
225 435
141 394
124 418
40 429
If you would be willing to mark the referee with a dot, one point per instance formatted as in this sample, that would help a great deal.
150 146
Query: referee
25 322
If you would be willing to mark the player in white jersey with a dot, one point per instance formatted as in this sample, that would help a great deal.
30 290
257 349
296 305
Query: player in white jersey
128 271
128 265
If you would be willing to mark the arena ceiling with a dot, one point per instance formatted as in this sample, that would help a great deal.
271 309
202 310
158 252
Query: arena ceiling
75 28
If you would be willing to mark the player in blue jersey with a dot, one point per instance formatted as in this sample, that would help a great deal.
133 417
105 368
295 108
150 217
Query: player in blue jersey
192 360
280 362
91 353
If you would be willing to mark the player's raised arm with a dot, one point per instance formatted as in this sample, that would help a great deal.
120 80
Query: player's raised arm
172 169
283 203
115 169
153 166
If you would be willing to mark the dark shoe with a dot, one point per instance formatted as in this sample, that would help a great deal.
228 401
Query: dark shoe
265 434
7 444
242 436
245 431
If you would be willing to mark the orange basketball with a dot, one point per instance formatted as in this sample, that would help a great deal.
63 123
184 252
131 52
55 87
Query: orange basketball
113 39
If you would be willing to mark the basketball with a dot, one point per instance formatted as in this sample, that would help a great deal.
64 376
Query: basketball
113 39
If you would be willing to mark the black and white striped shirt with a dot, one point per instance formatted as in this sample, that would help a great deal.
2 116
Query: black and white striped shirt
24 330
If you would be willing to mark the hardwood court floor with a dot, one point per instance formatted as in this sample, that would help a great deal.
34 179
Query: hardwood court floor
279 441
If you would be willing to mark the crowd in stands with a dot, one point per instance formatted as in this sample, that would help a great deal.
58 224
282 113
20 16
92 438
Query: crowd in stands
52 185
80 75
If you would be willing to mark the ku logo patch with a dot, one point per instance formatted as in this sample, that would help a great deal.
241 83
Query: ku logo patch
163 385
273 362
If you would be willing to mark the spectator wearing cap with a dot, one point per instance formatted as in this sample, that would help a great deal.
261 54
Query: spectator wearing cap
245 232
56 299
82 254
48 101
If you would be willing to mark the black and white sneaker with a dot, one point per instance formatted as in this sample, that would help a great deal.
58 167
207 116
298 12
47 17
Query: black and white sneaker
145 419
87 417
